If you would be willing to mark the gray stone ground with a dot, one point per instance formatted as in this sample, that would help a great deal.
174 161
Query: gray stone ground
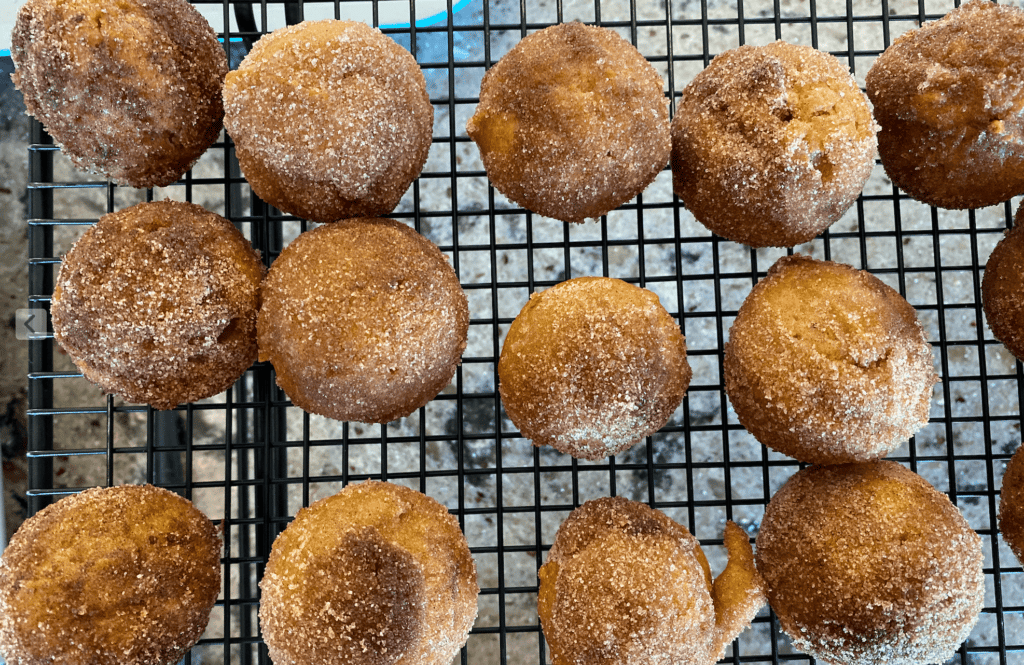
704 406
14 128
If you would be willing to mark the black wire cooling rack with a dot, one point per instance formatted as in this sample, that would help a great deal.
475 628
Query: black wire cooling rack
250 460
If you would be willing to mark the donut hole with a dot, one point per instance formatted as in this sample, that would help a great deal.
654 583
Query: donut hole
591 366
125 575
377 574
572 122
623 583
363 320
827 364
179 273
1011 506
331 120
1002 289
606 582
772 144
868 563
129 89
939 93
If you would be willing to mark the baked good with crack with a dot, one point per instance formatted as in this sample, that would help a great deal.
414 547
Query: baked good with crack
771 144
949 97
827 364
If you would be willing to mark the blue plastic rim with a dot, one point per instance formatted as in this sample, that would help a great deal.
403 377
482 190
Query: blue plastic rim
433 19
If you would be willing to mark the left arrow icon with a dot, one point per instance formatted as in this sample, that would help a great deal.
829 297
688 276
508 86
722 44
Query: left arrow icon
25 323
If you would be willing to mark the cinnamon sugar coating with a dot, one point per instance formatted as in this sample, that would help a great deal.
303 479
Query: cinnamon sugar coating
827 364
377 574
591 366
771 144
623 583
572 122
130 90
157 303
112 576
950 99
868 564
330 120
363 320
1011 505
1002 288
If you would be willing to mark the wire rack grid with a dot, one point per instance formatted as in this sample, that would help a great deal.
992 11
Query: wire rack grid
250 460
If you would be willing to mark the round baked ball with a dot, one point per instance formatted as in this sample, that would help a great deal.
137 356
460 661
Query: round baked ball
1011 505
827 364
330 120
949 97
377 574
363 320
624 583
112 576
157 303
572 122
130 90
867 563
1002 288
771 144
591 366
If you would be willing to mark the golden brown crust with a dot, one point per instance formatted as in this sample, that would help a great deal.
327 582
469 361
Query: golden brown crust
739 591
867 563
363 320
1011 505
572 122
591 366
377 574
130 90
949 97
112 576
157 303
771 144
330 119
827 364
1002 288
623 583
